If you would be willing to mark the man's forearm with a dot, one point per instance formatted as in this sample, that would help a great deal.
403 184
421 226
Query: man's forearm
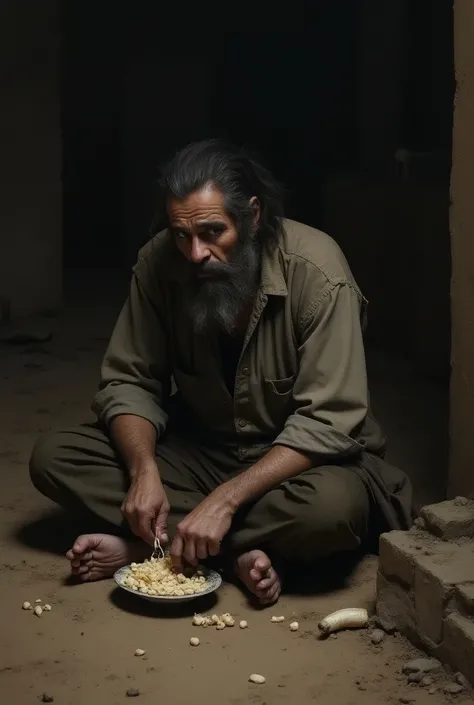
278 465
135 439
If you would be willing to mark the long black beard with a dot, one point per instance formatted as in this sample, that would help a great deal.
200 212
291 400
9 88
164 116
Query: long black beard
217 303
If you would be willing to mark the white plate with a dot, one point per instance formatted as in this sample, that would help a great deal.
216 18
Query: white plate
213 583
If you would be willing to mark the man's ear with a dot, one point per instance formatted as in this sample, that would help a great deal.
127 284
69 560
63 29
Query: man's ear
255 206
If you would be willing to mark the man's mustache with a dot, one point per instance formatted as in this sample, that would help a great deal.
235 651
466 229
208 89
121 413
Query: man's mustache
212 270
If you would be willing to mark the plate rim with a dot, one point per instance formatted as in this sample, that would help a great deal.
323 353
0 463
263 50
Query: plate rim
171 598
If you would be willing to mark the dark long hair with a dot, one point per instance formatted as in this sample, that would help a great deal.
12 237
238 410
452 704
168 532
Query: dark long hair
236 173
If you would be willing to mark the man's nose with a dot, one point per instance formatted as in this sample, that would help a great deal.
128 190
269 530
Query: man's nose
199 251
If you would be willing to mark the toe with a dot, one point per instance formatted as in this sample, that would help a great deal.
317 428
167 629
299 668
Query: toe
84 543
255 575
271 595
265 584
256 572
262 563
93 573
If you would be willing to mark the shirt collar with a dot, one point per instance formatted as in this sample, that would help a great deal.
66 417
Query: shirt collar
273 279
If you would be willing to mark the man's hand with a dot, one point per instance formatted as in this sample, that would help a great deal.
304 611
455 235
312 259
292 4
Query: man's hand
146 506
199 535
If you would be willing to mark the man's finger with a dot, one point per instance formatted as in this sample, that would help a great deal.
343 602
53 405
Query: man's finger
214 547
189 551
202 549
161 525
146 528
127 510
176 553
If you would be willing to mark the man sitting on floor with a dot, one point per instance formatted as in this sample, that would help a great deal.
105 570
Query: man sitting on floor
266 455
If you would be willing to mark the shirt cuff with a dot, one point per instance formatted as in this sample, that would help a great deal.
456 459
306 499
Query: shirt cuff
314 438
118 400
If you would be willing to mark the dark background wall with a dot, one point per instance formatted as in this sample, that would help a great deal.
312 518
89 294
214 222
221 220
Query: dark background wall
461 477
325 94
132 95
30 158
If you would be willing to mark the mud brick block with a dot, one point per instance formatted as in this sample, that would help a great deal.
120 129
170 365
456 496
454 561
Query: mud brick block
397 556
464 595
424 643
431 597
450 519
436 577
399 552
458 644
395 610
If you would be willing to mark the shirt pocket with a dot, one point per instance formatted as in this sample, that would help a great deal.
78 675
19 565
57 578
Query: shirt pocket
279 403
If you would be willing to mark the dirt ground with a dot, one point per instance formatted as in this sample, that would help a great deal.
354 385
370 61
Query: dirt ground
82 652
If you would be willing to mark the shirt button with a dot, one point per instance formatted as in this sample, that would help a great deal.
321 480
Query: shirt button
242 423
246 371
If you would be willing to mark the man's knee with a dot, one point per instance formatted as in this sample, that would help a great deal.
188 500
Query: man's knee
334 516
44 458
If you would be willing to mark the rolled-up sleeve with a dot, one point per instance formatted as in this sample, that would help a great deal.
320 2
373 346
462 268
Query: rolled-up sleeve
330 393
135 377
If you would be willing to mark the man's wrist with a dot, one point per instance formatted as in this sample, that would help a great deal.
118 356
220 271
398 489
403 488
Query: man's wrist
230 496
143 468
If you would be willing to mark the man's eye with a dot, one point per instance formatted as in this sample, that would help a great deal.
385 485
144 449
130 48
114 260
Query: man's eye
179 235
215 233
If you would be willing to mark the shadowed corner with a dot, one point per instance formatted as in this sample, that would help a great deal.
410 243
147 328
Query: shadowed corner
139 606
325 576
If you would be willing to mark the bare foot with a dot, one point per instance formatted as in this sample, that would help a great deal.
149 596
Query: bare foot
98 556
256 572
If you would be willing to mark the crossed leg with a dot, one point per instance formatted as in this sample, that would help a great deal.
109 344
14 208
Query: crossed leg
319 512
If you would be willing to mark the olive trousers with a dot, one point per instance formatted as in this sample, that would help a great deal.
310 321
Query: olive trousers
315 514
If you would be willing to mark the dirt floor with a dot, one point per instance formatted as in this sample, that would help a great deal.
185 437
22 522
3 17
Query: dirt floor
82 652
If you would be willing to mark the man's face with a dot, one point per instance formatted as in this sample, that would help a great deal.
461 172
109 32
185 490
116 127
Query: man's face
224 261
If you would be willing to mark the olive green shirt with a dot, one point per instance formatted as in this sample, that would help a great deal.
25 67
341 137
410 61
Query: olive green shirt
301 378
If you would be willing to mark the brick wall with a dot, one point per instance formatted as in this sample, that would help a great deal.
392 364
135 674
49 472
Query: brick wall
425 584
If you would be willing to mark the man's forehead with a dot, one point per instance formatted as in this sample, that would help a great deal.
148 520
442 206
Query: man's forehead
198 219
206 200
198 216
